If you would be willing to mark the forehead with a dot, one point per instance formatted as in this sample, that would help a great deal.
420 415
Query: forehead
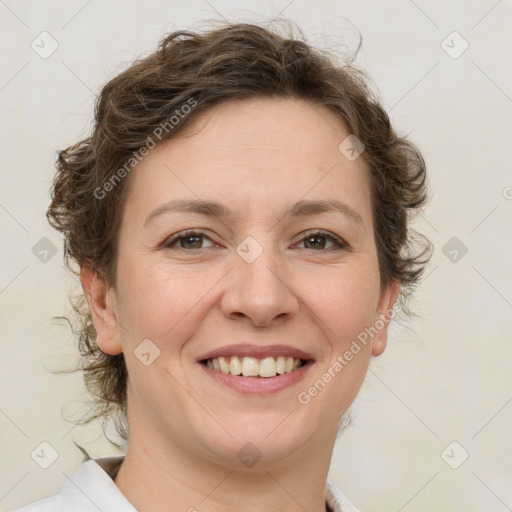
253 154
296 126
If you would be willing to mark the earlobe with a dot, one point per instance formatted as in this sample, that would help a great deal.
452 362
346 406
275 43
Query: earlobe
101 304
384 315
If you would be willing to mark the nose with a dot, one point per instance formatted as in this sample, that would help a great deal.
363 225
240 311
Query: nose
259 292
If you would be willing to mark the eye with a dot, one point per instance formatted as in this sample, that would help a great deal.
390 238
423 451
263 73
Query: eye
317 240
187 240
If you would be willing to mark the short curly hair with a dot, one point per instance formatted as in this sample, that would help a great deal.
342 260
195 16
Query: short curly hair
234 61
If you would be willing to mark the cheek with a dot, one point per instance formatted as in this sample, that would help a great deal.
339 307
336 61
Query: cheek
344 300
345 305
161 302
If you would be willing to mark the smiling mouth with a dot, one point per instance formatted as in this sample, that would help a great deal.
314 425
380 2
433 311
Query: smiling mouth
254 367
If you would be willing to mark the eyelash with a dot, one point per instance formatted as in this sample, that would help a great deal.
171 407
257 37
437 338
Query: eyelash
338 244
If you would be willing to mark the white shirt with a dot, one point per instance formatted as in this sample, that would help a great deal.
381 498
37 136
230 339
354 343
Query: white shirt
91 489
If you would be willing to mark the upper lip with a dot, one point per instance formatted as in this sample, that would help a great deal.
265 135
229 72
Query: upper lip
257 351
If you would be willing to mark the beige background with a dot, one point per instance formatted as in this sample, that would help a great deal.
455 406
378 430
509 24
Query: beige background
446 375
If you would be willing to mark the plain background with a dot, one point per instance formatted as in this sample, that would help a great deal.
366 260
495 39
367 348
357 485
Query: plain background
446 375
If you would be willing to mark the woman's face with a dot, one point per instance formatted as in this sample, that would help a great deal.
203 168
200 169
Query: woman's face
250 269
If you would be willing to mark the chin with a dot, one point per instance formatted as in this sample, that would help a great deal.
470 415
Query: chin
264 439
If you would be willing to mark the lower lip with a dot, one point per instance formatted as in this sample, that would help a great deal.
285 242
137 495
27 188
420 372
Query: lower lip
259 385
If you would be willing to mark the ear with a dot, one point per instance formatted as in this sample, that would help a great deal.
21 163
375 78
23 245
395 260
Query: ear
383 316
102 305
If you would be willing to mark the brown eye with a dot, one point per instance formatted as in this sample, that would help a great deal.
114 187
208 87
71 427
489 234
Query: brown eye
187 240
315 242
191 242
319 240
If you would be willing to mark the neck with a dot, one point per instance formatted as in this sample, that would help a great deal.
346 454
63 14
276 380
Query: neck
166 476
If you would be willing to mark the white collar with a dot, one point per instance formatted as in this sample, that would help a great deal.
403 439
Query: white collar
92 489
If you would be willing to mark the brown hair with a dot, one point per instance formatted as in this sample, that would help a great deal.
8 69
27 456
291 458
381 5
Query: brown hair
234 61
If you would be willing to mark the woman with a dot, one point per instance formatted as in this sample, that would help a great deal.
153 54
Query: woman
239 220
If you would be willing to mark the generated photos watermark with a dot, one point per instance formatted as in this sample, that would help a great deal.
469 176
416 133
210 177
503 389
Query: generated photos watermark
158 133
342 360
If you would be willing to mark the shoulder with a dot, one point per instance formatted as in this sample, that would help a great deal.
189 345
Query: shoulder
89 489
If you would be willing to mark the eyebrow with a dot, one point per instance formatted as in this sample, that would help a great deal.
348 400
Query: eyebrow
298 209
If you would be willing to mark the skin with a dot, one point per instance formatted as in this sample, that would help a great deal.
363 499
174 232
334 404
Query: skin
256 157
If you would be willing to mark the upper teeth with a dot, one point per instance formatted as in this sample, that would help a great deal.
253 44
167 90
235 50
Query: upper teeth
252 367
